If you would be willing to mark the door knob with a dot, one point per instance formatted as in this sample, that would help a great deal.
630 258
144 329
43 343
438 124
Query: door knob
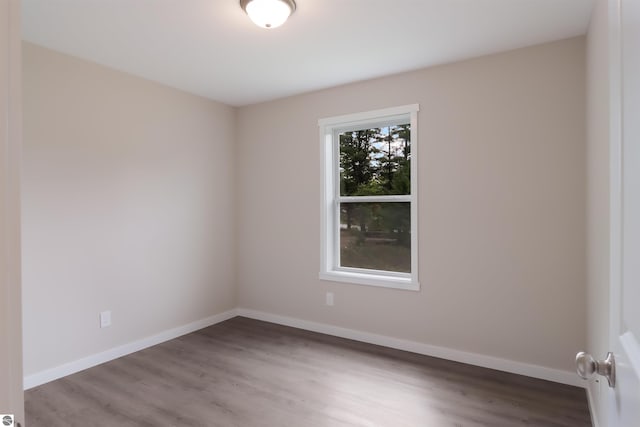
586 366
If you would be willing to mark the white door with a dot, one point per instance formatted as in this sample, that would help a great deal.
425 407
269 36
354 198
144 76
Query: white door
624 399
11 394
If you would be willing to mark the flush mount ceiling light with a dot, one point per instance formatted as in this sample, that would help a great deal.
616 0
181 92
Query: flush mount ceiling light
268 13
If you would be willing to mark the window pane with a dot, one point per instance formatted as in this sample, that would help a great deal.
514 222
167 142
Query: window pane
376 236
376 161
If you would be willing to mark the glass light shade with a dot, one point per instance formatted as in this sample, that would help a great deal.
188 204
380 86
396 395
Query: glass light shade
268 13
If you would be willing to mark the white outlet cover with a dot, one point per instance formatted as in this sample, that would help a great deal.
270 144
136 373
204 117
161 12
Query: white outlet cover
105 319
330 298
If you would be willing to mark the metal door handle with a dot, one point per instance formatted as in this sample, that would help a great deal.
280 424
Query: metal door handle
586 366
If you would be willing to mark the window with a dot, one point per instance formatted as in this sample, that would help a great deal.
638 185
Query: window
369 198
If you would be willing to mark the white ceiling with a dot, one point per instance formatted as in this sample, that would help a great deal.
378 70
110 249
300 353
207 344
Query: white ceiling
211 48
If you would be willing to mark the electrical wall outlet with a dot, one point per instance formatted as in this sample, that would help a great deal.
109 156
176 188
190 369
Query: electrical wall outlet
105 319
329 298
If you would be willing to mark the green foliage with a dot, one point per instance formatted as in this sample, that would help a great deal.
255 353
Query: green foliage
375 161
356 150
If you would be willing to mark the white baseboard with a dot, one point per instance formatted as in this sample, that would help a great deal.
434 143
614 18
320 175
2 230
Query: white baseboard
48 375
535 371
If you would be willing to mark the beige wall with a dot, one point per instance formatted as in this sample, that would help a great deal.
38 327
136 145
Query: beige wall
502 207
128 199
598 196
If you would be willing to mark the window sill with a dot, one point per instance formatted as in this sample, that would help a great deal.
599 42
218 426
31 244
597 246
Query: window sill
402 283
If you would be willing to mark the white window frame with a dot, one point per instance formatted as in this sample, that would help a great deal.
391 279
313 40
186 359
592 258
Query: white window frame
330 128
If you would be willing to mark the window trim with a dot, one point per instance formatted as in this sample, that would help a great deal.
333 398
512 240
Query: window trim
330 198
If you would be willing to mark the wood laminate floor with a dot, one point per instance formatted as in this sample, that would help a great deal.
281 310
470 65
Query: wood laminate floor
249 373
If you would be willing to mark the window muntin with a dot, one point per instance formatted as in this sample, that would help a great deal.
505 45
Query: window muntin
369 231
